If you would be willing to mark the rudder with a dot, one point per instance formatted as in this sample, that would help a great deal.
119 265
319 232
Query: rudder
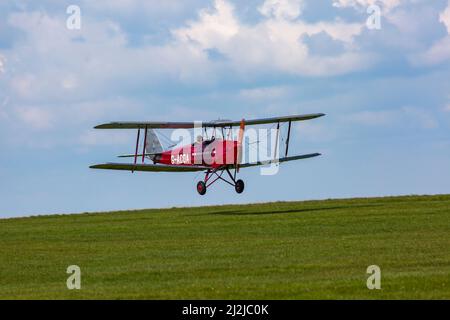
153 145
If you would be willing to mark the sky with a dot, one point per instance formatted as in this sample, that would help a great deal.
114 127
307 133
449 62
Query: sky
385 90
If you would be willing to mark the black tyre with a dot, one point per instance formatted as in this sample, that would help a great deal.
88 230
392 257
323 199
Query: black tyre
201 188
239 186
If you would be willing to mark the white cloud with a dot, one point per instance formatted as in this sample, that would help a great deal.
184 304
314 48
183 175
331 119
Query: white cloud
439 52
2 64
98 59
272 44
386 5
150 8
444 17
212 28
35 117
282 9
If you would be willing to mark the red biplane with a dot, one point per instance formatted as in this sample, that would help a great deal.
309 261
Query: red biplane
214 155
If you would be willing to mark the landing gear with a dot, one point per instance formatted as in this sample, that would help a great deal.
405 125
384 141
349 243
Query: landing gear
239 186
218 172
201 188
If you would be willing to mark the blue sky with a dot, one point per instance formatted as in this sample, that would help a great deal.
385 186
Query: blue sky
386 94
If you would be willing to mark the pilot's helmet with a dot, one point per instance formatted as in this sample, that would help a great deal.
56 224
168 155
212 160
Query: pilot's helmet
199 139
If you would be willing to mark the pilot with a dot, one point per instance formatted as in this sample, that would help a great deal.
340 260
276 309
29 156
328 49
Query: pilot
199 139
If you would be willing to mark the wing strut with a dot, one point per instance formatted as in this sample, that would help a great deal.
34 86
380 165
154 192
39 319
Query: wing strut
137 147
276 141
287 140
240 146
145 145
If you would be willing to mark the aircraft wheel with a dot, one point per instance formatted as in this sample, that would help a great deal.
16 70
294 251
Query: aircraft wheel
201 188
239 186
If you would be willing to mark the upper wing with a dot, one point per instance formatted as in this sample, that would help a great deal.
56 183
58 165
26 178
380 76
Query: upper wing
148 167
301 117
210 124
149 125
285 159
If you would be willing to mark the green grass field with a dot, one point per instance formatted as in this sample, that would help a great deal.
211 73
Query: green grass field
292 250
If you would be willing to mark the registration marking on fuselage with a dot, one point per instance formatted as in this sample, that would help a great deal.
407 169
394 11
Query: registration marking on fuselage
180 159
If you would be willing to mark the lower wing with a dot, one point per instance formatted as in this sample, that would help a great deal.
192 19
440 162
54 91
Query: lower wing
148 167
274 161
168 168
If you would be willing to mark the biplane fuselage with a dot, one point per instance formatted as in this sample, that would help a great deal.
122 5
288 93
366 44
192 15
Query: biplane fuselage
210 153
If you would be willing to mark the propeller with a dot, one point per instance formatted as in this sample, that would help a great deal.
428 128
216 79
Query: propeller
239 145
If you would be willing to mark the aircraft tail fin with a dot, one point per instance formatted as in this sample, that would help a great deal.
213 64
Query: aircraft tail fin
153 145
